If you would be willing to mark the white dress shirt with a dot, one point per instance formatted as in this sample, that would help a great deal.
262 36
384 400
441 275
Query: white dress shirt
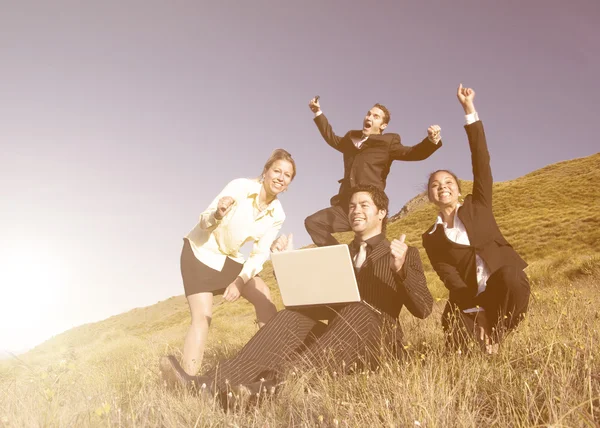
214 240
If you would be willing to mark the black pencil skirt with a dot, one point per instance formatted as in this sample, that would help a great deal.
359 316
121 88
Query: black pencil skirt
199 278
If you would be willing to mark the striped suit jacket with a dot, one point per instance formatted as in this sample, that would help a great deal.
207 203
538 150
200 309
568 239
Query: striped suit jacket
293 339
388 291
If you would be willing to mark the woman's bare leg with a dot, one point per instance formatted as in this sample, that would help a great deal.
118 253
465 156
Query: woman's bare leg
195 339
258 293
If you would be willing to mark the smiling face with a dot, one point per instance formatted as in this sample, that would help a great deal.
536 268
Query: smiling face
277 177
443 189
365 218
374 122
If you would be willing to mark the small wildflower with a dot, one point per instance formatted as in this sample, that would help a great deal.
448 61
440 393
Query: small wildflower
203 386
336 422
320 418
417 423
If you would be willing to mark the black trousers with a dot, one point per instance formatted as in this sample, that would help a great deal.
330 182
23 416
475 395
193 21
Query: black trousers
293 340
322 224
505 300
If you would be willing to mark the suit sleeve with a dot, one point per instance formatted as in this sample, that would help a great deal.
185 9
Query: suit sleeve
412 153
448 274
327 133
413 285
480 161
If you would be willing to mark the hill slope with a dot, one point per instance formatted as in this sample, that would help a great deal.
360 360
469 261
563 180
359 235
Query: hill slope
550 216
548 372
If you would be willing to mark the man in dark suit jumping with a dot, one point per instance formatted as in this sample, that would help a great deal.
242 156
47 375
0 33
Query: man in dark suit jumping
389 275
368 156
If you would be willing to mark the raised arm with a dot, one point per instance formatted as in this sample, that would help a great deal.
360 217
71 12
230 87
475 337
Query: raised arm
480 156
221 205
420 151
323 125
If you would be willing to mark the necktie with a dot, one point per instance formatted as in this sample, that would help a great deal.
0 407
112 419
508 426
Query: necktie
358 143
361 256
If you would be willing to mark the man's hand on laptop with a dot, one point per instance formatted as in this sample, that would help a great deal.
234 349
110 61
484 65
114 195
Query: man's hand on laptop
398 249
283 243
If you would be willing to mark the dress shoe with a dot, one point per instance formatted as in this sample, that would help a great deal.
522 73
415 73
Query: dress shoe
176 377
173 374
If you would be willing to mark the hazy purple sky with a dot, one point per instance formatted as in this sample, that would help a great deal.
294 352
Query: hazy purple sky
121 120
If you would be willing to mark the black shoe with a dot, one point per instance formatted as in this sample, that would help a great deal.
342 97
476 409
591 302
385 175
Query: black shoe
173 374
175 377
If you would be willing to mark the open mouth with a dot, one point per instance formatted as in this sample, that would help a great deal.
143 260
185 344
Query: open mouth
367 125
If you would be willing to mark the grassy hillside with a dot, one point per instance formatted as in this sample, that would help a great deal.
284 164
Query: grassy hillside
550 216
105 373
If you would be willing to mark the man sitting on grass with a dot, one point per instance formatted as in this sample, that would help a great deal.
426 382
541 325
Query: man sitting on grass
389 275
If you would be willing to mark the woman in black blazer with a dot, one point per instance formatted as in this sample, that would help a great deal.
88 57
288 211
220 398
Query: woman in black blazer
489 292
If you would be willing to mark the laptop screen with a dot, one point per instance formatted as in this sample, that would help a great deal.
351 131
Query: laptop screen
316 276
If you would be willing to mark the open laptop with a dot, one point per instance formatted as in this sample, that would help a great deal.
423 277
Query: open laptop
322 276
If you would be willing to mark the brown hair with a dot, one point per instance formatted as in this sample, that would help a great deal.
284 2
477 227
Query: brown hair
280 154
380 199
446 171
386 112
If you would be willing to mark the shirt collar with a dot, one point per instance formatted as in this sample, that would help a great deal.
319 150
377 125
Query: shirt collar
253 194
441 221
372 242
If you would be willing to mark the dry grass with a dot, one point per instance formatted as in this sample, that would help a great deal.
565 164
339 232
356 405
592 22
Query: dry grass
547 373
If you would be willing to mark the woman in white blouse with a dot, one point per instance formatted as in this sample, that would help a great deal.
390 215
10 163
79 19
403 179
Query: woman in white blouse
211 263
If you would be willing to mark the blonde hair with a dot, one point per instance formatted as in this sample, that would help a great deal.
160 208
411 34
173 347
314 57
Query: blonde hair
279 154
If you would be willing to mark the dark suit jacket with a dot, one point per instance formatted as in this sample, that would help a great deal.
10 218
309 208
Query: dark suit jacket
455 263
388 291
371 163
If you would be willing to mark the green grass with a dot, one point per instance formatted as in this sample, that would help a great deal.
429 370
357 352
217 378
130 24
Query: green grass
547 373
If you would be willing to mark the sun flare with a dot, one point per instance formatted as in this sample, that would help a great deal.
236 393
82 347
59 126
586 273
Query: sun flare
33 281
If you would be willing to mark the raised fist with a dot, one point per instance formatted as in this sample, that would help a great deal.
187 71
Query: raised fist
223 207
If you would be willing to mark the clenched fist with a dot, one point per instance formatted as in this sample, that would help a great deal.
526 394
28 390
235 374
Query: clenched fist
314 105
223 207
434 134
465 97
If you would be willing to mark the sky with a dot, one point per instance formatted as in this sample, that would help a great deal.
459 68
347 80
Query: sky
120 121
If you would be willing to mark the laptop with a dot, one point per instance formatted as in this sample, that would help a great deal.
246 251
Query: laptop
322 276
